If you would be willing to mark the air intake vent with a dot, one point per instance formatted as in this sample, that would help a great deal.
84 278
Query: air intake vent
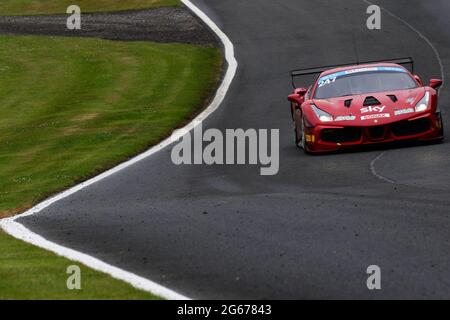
348 103
393 97
371 101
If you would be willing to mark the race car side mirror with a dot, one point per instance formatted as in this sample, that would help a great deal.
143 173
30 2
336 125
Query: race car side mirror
298 95
295 98
435 83
301 91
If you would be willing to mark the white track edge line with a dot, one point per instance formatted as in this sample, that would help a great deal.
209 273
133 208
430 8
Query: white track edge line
422 36
441 65
19 231
374 171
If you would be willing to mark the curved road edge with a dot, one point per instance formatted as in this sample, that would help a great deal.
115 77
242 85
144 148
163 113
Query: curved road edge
372 166
19 231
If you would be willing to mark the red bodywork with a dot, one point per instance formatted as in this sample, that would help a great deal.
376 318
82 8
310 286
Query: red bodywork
364 125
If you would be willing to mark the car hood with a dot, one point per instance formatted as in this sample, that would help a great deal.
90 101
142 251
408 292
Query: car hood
386 102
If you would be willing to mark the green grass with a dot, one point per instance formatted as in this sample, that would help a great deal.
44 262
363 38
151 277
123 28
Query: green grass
27 272
71 107
31 7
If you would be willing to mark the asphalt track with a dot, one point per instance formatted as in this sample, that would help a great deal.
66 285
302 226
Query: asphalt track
310 231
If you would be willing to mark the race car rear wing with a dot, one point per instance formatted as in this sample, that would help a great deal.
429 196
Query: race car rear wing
317 70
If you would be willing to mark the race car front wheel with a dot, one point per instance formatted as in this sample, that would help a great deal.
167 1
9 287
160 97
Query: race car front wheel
441 126
300 136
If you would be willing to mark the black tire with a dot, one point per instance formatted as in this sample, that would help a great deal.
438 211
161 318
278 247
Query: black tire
297 140
300 142
442 127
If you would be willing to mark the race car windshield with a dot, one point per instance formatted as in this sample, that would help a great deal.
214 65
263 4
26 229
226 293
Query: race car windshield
354 82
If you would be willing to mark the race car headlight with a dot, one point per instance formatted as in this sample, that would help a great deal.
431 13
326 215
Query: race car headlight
322 115
422 105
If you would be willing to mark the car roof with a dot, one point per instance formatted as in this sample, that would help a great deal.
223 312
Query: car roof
360 66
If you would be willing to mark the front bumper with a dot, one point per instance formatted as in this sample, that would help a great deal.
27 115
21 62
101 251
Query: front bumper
328 138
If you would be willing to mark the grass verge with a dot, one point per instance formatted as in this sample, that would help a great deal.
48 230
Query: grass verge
32 7
71 108
27 272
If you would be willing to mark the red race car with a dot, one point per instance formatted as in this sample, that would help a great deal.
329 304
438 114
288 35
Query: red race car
364 103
